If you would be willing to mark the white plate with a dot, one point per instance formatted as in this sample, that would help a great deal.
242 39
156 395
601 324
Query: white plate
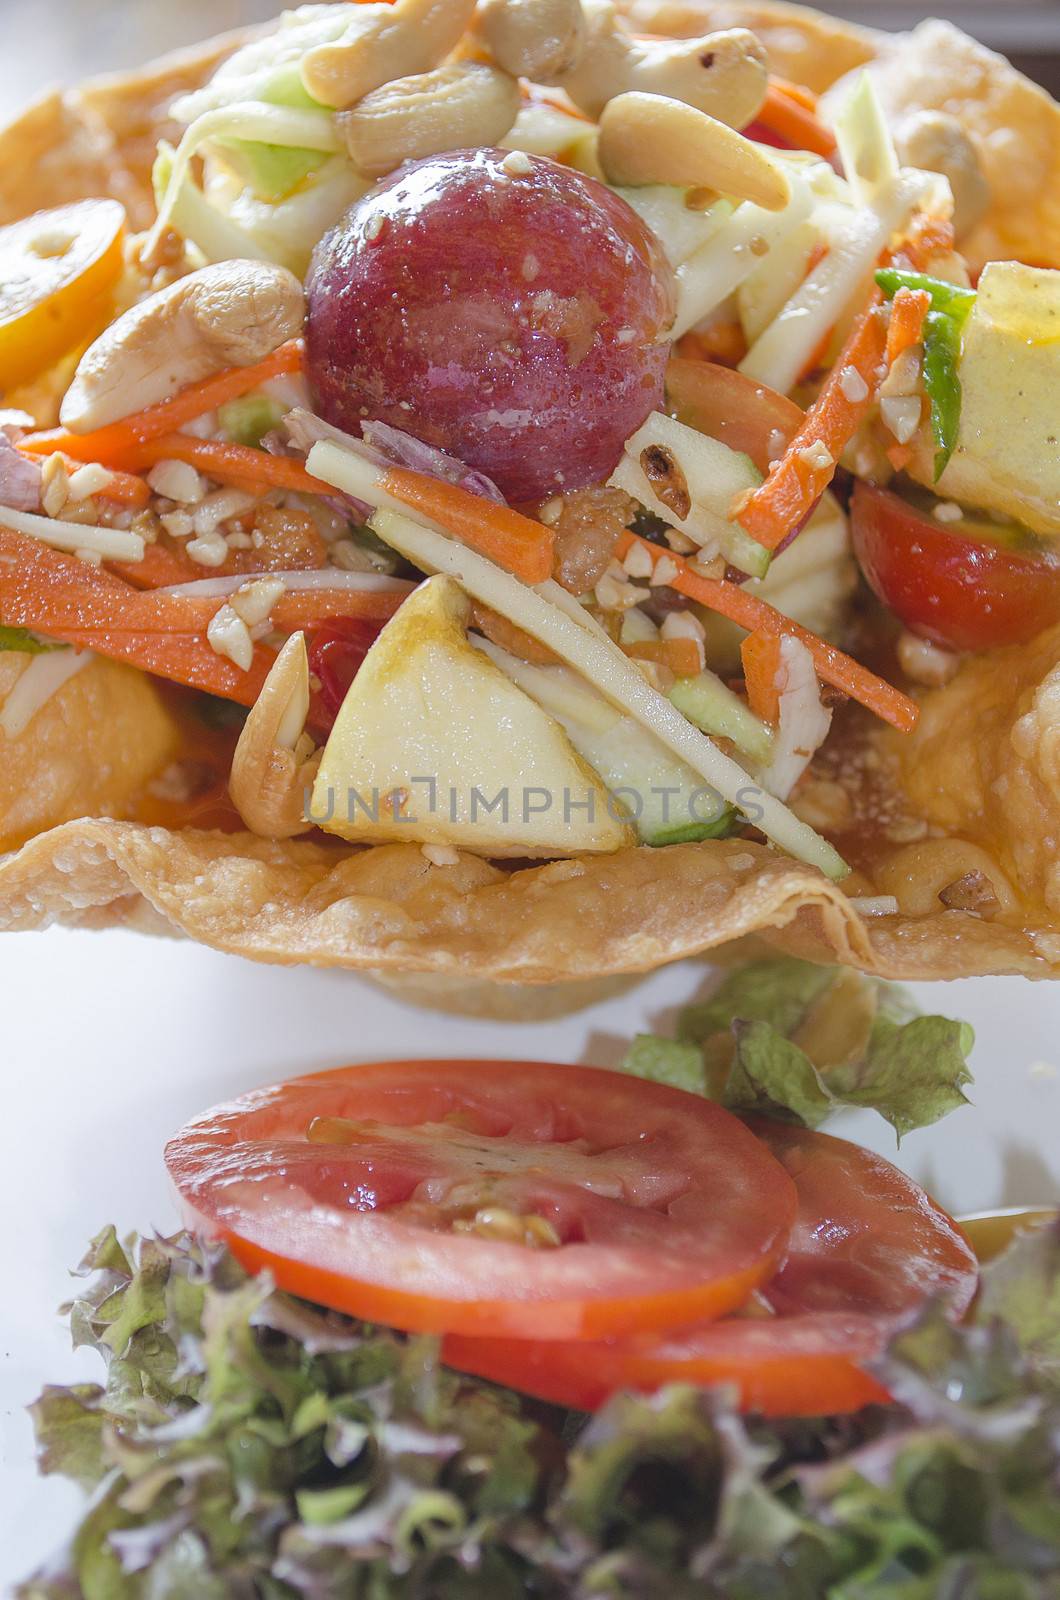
112 1040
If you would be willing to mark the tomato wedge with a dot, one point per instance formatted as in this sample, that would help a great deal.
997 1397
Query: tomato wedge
867 1248
743 414
780 1367
963 593
336 650
57 271
867 1238
490 1197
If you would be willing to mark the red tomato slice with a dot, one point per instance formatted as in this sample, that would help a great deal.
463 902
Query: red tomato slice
410 1193
336 650
967 594
867 1238
743 414
867 1248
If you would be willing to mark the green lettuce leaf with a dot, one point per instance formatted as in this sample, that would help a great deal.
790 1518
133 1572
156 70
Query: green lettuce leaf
1021 1290
798 1042
291 1452
669 1061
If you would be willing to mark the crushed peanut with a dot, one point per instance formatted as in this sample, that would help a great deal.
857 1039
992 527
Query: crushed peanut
178 481
350 557
218 507
680 542
817 456
686 625
665 571
208 550
89 480
517 164
229 636
683 625
614 593
925 662
178 524
715 567
637 561
853 385
903 379
254 600
54 485
901 416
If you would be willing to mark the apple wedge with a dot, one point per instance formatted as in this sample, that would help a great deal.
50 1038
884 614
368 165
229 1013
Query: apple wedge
670 802
434 744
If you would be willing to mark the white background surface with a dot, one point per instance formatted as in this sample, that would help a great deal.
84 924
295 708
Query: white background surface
112 1040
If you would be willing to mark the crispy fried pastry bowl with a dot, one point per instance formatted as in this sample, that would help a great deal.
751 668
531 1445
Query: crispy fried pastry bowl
951 829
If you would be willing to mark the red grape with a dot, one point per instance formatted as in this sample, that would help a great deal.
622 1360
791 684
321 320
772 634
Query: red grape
506 309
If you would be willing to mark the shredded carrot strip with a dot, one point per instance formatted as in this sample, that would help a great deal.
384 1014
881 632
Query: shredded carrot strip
906 328
116 443
233 463
749 612
928 236
785 113
680 655
126 489
900 455
163 565
760 654
517 543
85 606
68 599
792 488
797 92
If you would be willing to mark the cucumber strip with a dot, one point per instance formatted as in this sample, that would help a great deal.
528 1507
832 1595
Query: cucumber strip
714 476
712 706
660 792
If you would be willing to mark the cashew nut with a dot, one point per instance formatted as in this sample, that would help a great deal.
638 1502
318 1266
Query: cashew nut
936 142
274 762
647 138
383 43
463 104
536 39
724 74
228 315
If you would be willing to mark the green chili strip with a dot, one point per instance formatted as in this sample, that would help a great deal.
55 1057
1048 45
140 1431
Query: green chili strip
951 307
942 385
947 297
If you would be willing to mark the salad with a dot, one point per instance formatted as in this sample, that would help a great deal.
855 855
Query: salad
527 497
476 1328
